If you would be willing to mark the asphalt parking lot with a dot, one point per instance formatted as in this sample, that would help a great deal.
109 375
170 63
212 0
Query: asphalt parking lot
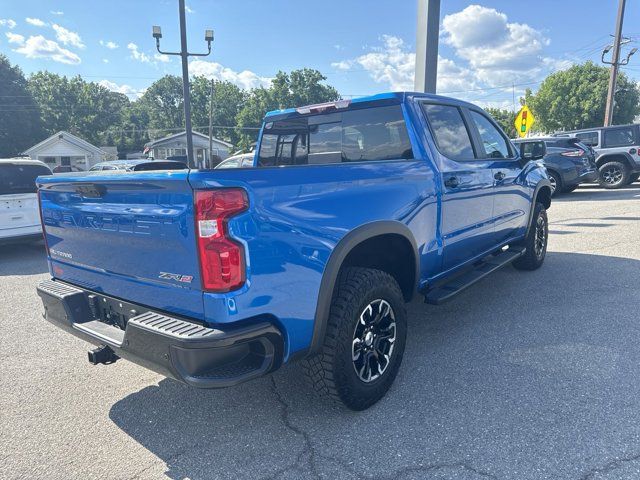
528 375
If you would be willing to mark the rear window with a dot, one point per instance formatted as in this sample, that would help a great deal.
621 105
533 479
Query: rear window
562 142
620 137
370 134
15 178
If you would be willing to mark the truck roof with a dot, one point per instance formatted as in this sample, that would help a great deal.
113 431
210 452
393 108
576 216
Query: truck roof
384 98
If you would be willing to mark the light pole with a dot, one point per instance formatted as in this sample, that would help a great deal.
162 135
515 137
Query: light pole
427 32
184 54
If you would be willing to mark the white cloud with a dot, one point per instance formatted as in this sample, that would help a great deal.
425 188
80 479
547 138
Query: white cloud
15 38
56 12
10 23
162 58
393 64
67 37
495 48
109 44
188 9
105 60
40 47
342 65
126 89
36 22
245 79
137 54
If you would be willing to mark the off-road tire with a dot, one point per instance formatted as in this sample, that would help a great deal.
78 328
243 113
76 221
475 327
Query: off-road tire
613 175
332 371
534 255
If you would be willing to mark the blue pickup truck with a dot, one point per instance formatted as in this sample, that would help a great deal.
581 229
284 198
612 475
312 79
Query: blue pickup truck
215 277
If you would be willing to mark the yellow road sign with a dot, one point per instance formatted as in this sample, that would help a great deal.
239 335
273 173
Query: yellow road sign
524 120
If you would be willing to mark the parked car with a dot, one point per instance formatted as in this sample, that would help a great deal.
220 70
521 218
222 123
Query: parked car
19 215
137 165
67 169
244 160
216 277
568 162
617 152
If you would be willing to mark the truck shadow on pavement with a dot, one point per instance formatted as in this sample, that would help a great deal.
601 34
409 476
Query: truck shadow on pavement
23 259
528 375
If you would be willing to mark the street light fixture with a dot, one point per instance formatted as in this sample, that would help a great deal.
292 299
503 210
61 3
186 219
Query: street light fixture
184 54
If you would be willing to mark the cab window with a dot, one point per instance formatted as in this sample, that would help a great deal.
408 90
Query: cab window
493 141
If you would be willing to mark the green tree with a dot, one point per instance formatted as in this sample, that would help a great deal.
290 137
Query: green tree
575 98
162 103
83 108
505 119
300 87
20 124
228 99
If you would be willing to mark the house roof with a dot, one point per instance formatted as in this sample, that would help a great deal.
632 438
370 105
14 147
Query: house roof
69 137
176 135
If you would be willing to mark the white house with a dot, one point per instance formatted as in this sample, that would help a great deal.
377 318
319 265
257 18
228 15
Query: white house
66 149
176 146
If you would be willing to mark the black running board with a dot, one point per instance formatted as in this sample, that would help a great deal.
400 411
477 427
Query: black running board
445 291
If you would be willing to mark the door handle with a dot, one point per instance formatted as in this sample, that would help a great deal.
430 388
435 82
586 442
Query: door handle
499 175
452 182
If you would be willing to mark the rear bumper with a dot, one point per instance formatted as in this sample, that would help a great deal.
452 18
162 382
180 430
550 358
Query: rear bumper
199 356
588 177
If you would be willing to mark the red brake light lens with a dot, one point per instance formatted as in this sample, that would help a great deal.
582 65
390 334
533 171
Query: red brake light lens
222 262
573 153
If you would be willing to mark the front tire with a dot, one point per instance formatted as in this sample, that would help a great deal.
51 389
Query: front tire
614 175
535 242
365 339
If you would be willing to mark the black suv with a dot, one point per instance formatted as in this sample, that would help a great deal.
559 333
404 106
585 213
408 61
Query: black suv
617 152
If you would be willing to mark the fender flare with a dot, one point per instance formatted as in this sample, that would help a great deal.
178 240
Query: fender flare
336 259
542 183
605 157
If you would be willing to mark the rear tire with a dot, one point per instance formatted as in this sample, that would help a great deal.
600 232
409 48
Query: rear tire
556 183
365 339
613 175
535 242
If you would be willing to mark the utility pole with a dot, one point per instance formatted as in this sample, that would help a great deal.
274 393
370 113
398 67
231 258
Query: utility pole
184 54
427 34
211 165
615 63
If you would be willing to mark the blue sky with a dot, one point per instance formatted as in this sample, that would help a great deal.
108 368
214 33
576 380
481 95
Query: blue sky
362 46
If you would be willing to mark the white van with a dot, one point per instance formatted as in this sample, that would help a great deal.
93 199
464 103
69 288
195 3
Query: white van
19 215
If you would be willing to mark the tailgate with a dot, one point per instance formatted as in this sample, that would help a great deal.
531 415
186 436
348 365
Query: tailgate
127 235
19 210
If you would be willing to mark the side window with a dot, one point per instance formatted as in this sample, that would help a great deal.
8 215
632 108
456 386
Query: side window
493 142
450 132
588 138
620 137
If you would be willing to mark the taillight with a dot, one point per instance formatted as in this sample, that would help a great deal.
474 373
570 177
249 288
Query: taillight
573 153
222 262
44 233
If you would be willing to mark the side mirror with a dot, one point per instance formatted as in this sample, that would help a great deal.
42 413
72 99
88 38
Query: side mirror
533 150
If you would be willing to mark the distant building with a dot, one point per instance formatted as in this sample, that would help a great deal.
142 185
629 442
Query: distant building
110 153
65 149
176 146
